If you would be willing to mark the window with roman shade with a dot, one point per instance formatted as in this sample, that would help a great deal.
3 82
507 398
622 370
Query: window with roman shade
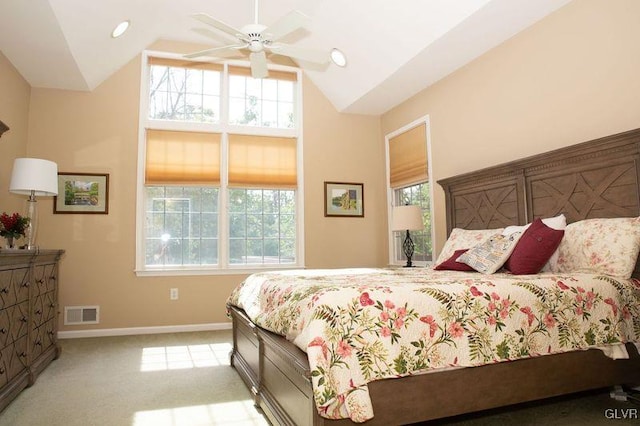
220 168
262 161
408 158
179 158
409 184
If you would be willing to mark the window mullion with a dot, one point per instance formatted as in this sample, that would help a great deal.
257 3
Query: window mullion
223 205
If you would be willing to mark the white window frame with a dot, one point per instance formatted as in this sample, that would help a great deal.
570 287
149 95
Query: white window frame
223 267
391 195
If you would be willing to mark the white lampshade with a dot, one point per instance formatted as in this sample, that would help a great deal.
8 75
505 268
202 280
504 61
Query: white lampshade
407 218
34 175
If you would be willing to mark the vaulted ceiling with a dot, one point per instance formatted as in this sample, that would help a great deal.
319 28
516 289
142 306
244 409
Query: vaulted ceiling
394 48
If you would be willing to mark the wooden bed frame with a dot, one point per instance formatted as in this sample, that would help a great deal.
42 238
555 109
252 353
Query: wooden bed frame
599 178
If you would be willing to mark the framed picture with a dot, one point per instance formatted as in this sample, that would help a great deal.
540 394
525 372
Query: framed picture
82 193
343 199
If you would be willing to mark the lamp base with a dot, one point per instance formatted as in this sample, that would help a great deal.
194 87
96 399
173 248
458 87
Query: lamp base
407 247
31 211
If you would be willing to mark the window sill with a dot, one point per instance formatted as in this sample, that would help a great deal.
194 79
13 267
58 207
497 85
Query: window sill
240 270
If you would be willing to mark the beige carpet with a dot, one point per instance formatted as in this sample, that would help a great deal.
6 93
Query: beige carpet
184 379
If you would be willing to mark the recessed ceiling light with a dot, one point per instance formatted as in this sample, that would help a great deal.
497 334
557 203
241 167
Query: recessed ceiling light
120 29
338 57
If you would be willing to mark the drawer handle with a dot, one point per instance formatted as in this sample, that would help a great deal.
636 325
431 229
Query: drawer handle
4 290
38 311
24 319
25 284
1 370
38 343
23 355
4 331
50 332
52 305
52 277
40 281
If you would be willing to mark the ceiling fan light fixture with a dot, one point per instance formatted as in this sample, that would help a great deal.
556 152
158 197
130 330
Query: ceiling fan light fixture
120 29
338 58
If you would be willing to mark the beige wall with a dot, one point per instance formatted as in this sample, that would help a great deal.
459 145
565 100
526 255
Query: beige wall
569 78
572 77
14 112
97 132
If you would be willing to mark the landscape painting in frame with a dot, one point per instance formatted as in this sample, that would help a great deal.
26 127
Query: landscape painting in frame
82 193
343 199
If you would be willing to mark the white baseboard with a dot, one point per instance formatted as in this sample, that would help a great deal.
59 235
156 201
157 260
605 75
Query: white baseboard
104 332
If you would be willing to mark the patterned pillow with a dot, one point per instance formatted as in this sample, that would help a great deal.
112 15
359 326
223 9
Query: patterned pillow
601 246
464 239
489 256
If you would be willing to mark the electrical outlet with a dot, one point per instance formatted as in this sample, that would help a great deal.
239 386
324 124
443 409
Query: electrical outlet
173 294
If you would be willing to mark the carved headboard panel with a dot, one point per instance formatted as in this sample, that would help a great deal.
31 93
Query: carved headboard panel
599 178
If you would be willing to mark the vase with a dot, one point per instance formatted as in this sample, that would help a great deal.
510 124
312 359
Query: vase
10 242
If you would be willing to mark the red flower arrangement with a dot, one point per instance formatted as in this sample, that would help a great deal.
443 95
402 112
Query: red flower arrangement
14 226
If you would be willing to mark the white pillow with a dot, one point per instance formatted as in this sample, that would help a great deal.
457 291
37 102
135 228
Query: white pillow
557 222
464 239
601 246
490 255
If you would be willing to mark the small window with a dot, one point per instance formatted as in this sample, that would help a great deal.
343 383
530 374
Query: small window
267 102
184 91
182 226
262 226
415 195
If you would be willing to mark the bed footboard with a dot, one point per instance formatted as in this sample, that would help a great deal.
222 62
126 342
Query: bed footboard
277 373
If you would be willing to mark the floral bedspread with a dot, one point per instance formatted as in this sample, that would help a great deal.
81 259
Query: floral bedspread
360 325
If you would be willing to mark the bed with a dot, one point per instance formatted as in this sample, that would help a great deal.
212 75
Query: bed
595 179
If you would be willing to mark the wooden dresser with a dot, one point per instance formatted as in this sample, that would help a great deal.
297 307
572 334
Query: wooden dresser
28 317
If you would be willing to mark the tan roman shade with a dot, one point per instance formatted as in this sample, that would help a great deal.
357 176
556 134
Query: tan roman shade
184 64
182 158
408 157
262 161
273 74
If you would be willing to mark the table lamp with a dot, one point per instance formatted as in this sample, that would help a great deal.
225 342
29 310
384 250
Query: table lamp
407 218
33 176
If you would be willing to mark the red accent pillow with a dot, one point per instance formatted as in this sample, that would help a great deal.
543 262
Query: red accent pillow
534 249
451 265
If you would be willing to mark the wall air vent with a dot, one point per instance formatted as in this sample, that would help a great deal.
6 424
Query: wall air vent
74 315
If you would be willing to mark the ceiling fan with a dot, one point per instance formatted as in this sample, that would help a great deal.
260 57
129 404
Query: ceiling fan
259 39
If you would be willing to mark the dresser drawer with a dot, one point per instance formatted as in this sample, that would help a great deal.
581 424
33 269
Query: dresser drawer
13 323
42 338
14 286
43 308
45 277
14 358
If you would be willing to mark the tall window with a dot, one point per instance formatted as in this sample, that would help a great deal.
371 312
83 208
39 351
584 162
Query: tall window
219 170
409 185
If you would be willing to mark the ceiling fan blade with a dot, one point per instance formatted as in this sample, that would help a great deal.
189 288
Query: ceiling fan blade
213 34
219 52
206 19
259 64
285 25
311 55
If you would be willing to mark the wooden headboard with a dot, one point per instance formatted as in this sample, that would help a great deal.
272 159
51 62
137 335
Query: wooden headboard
599 178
